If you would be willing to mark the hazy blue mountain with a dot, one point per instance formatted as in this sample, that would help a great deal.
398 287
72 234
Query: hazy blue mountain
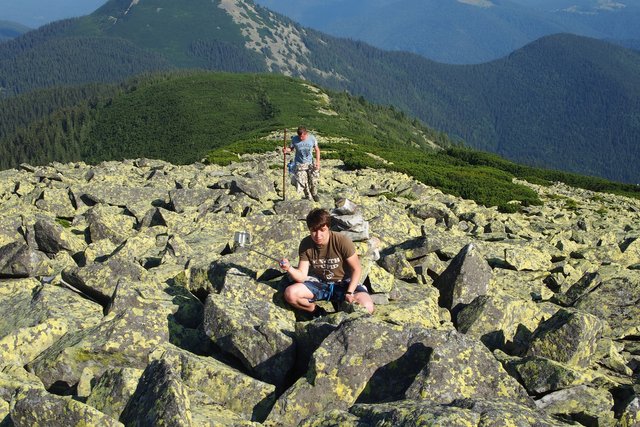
10 30
462 31
565 102
34 13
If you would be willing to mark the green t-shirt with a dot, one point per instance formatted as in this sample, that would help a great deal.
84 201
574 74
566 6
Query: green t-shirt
327 262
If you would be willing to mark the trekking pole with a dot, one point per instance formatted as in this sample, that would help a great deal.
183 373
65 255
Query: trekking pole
284 166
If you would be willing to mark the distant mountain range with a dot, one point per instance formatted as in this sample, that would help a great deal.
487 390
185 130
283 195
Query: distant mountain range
463 31
10 30
565 102
34 13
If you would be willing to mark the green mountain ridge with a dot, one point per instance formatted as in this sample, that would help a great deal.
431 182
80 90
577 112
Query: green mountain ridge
564 102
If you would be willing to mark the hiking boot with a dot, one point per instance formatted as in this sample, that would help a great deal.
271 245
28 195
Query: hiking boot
318 312
316 198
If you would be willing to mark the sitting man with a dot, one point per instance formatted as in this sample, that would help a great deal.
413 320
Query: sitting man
328 269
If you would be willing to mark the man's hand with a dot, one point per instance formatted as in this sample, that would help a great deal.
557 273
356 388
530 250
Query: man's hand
286 150
350 298
284 264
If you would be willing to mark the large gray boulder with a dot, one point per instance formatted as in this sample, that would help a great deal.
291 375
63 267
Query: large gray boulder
53 238
33 316
584 404
500 321
615 301
139 321
160 399
37 407
227 387
466 278
453 357
568 337
17 259
112 391
256 332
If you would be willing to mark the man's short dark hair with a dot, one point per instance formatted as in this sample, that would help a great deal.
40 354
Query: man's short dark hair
301 130
318 218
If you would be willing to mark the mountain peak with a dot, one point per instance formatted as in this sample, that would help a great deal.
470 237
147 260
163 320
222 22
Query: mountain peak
280 41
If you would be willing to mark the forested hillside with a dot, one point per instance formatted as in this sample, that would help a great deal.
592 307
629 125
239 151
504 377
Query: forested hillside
182 116
564 102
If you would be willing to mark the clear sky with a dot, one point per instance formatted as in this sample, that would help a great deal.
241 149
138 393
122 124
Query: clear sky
34 13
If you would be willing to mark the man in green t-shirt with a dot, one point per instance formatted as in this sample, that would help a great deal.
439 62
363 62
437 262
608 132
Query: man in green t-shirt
328 269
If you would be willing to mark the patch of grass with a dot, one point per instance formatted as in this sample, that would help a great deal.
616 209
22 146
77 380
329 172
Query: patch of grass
65 223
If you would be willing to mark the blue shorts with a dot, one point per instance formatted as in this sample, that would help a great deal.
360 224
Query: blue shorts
330 291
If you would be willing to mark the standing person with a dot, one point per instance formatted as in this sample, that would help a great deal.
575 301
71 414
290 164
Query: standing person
307 172
328 269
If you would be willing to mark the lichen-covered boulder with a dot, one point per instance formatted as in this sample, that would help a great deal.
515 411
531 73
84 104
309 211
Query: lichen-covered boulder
147 245
420 311
109 222
56 201
397 264
466 277
160 399
11 224
400 413
461 413
113 390
500 321
255 331
612 359
332 417
137 323
631 413
227 387
631 250
311 334
184 199
4 413
17 259
540 375
613 301
435 210
380 280
459 367
504 412
587 283
138 200
99 280
255 187
14 378
53 238
37 407
587 405
295 208
34 316
526 257
340 369
568 337
526 285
